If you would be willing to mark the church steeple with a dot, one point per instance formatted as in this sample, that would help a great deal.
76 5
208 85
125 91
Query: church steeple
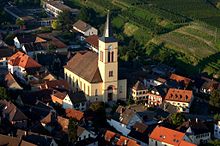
107 32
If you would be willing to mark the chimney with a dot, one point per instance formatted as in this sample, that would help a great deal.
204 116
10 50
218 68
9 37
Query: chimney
25 133
125 142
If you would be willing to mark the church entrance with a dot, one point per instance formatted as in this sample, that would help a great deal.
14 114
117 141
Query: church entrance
110 93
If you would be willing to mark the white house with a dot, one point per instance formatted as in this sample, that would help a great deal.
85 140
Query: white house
182 99
125 121
22 64
75 100
217 130
84 28
86 137
57 7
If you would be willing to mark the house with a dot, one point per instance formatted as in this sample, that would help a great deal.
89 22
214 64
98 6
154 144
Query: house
162 136
36 138
55 85
195 131
53 42
21 64
84 134
6 140
97 74
156 95
11 113
139 92
124 119
163 70
6 52
153 81
75 114
217 130
92 42
112 138
206 86
182 99
75 100
11 82
55 7
180 79
84 28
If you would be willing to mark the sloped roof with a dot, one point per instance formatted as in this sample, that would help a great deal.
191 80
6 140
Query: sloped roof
81 25
64 123
93 40
167 135
179 78
11 82
23 60
14 114
60 95
59 5
9 140
85 65
55 84
179 95
139 86
80 130
75 114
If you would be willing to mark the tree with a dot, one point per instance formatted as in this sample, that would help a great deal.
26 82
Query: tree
214 143
215 99
20 22
56 25
3 93
72 130
84 15
217 117
177 119
65 19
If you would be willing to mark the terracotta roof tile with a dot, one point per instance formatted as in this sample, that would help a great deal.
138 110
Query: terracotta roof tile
185 143
75 114
55 84
166 135
23 60
93 40
86 66
179 95
139 86
179 78
109 135
60 95
81 25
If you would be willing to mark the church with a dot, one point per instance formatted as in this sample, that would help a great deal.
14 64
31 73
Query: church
96 74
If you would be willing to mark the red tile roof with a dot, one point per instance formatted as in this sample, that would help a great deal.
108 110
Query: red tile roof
75 114
23 60
93 40
179 78
179 95
55 84
109 135
166 135
185 143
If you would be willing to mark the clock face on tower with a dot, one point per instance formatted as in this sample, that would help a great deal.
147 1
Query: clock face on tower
110 47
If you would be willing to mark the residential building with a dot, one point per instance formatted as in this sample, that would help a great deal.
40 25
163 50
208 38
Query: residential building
55 7
84 28
180 79
92 43
195 131
21 64
97 74
156 95
83 134
6 52
112 138
75 100
162 136
75 114
60 85
6 140
182 99
11 113
11 82
139 92
217 130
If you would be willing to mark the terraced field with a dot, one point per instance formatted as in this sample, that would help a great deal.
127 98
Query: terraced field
194 40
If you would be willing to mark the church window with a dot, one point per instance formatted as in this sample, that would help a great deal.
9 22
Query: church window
110 73
101 56
96 92
109 56
88 90
112 56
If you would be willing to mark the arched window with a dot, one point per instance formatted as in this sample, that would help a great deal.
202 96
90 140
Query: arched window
96 92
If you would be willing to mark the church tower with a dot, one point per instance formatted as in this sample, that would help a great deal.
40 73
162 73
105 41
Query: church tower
108 63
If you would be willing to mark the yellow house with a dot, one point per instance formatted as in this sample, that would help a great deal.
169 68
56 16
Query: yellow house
97 73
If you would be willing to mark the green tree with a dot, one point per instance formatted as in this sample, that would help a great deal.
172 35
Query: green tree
215 99
20 22
84 15
66 20
214 143
3 93
55 25
177 119
72 130
217 116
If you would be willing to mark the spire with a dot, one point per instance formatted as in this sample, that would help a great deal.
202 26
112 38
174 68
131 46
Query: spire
107 31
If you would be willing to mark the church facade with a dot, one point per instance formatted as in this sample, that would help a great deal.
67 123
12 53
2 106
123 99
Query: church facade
97 73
